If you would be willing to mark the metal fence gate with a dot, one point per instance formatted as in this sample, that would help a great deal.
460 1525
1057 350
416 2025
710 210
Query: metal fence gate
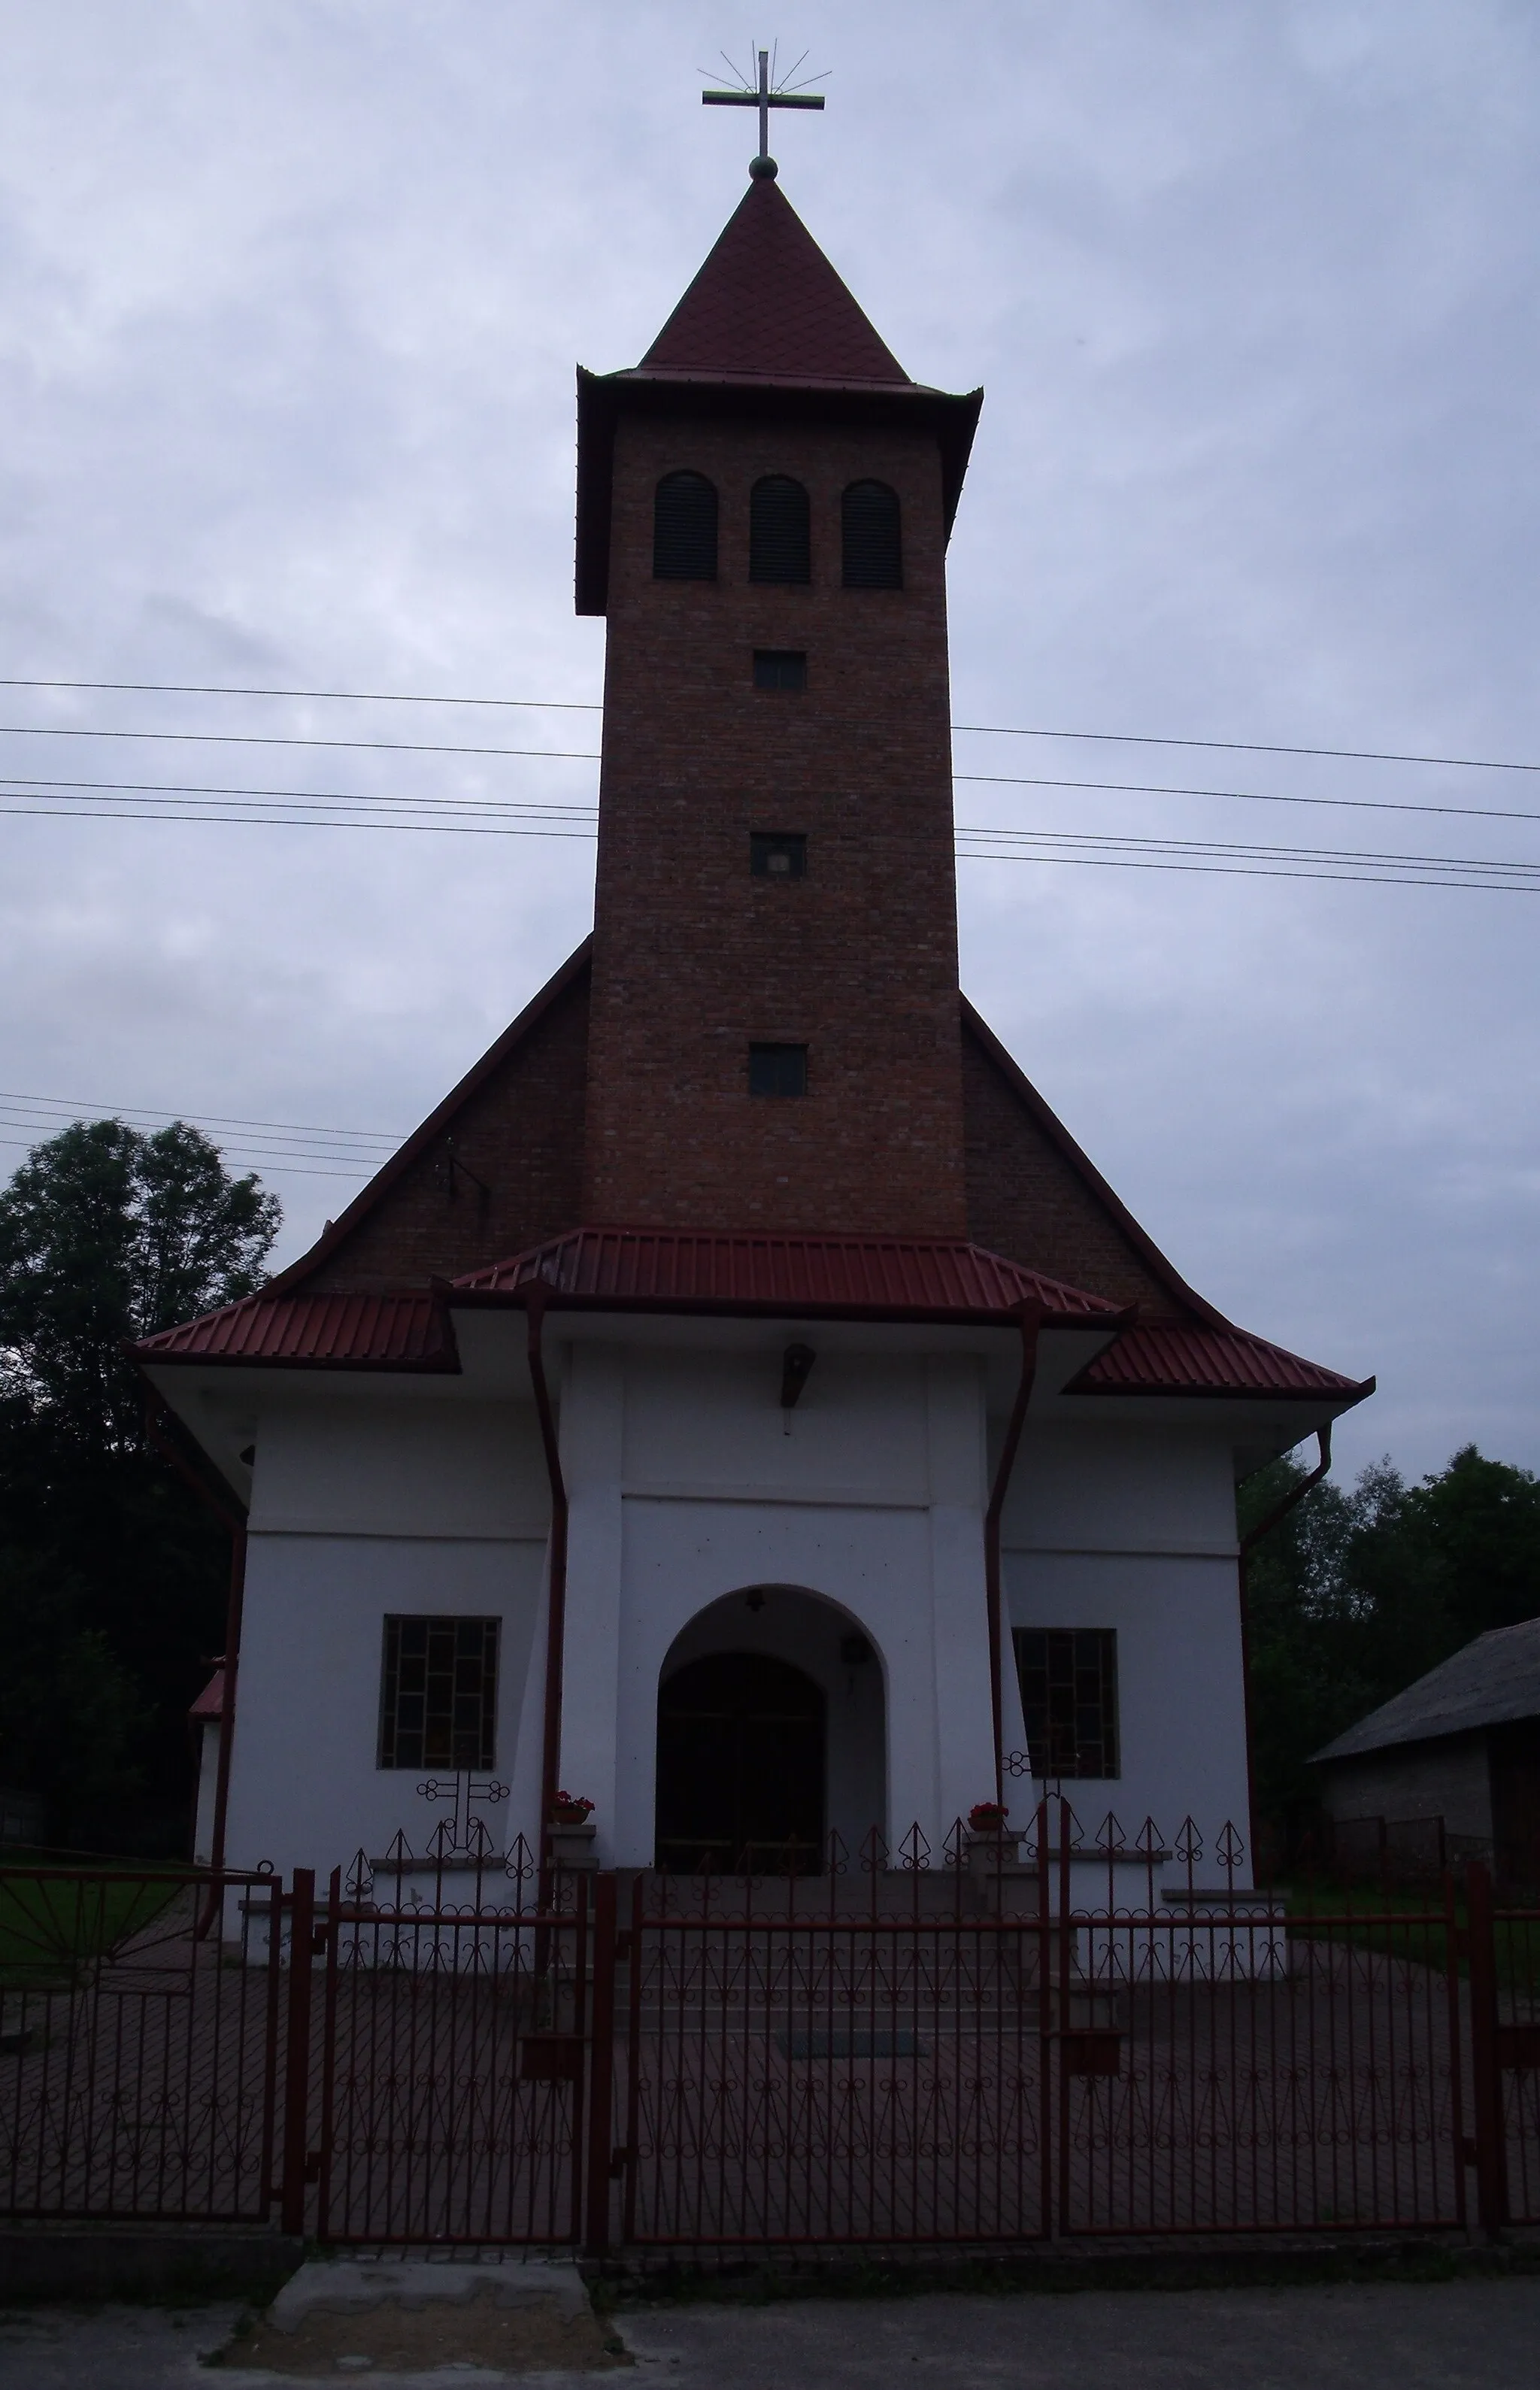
138 2069
981 2053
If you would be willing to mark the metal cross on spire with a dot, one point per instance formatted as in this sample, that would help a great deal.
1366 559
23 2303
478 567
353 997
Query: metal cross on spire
764 98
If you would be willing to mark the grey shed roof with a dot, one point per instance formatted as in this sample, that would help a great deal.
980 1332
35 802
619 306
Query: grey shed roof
1491 1683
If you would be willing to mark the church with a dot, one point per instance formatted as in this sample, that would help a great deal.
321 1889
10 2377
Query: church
740 1419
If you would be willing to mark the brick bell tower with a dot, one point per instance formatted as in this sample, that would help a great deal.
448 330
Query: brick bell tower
763 506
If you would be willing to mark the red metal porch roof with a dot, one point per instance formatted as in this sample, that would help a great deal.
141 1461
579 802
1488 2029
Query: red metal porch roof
1178 1360
211 1701
685 1270
676 1270
354 1331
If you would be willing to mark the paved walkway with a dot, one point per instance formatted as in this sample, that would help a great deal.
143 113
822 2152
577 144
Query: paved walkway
1449 2336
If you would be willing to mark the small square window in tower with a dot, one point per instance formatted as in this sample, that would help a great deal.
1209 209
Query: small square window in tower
872 538
684 528
780 538
1069 1679
439 1698
777 1070
778 854
779 668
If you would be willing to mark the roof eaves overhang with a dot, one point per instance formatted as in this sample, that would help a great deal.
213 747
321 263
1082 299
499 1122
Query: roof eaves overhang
1322 1402
304 1365
744 1307
602 398
203 1391
1329 1755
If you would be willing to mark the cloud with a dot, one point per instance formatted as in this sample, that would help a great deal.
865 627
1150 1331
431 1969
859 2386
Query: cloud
292 295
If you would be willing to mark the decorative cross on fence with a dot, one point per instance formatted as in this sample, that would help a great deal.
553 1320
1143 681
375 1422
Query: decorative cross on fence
462 1835
764 99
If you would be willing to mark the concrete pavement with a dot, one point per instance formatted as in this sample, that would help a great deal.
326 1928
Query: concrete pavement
1465 2335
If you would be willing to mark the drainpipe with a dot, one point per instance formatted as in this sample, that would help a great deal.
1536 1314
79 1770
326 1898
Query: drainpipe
1249 1543
535 1302
1029 1318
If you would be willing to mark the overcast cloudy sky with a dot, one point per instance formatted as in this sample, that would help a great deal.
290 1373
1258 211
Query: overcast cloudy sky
290 296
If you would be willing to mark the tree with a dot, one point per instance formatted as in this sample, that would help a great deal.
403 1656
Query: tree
69 1710
107 1235
1481 1523
112 1574
1358 1593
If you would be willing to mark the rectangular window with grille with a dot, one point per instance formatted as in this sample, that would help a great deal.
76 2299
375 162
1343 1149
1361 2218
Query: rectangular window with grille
439 1699
1069 1678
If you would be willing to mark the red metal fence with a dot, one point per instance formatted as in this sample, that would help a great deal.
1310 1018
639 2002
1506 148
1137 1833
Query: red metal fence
139 2068
1063 2038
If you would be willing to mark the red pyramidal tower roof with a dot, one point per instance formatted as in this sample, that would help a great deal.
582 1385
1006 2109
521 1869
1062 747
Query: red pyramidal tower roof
766 328
768 306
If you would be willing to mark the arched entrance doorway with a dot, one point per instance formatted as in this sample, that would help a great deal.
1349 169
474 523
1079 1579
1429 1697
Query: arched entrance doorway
741 1741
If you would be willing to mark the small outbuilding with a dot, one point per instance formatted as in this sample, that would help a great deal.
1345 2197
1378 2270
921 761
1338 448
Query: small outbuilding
1454 1761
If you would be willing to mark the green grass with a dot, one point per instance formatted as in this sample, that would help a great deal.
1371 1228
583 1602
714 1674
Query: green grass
51 1925
1364 1911
1362 1914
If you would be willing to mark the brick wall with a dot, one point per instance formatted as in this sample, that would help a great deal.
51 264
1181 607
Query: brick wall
693 959
1448 1779
522 1129
1026 1200
519 1131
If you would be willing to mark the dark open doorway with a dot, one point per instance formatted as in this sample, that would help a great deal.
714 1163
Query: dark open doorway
740 1766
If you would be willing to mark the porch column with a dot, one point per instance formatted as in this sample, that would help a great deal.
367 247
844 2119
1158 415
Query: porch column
965 1726
593 1418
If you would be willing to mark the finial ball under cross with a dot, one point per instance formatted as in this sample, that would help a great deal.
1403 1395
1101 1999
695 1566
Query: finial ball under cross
762 168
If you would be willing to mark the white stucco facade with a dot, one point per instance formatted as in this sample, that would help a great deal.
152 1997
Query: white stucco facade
845 1536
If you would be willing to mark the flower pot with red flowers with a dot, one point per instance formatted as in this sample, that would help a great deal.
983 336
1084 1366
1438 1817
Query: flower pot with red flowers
572 1835
990 1842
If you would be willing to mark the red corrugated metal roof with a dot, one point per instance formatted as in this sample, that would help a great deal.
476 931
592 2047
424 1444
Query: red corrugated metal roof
653 1266
370 1331
672 1269
211 1701
1182 1360
768 306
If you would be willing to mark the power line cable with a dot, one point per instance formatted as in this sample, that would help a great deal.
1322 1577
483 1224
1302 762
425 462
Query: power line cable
198 1120
1249 847
1241 796
593 705
1270 861
244 1161
275 1146
441 813
35 784
283 739
264 1149
1250 747
31 783
1260 871
340 695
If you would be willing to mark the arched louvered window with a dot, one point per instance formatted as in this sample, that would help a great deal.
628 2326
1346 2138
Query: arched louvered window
780 546
684 528
873 544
